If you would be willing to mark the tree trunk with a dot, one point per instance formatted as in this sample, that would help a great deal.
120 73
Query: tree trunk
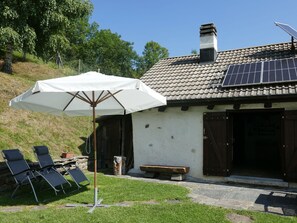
7 67
24 56
59 60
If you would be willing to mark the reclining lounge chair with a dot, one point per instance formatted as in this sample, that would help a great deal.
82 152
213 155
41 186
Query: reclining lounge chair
53 178
46 161
19 169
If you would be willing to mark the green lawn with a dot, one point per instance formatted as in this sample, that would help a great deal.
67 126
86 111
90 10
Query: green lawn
145 202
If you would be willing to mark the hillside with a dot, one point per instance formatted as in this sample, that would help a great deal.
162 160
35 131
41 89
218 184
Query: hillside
23 129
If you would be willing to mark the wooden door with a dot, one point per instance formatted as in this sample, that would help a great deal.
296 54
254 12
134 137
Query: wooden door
216 157
290 145
114 138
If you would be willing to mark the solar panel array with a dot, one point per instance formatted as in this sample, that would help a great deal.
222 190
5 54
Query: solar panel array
267 72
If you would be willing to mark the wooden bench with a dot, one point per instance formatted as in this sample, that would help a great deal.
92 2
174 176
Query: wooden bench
176 172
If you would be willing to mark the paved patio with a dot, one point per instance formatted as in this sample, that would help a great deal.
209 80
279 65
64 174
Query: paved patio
282 201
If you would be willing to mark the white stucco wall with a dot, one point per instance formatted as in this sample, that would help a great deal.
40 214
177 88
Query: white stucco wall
175 137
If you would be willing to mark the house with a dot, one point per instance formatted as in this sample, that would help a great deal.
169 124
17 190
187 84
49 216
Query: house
220 127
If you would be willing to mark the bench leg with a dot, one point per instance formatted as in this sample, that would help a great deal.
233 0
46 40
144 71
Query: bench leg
150 174
178 177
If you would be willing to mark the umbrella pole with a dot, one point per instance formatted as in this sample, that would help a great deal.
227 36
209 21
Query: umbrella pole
96 202
95 155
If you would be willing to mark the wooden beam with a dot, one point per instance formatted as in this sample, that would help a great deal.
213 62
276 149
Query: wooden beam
162 108
210 107
184 108
232 100
236 106
268 104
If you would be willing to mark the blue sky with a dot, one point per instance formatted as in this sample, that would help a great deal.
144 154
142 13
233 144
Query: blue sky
175 24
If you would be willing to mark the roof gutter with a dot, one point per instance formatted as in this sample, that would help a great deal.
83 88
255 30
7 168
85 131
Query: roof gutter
228 101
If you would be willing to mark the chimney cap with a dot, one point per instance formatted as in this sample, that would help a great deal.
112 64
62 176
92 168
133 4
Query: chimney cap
208 28
208 24
208 43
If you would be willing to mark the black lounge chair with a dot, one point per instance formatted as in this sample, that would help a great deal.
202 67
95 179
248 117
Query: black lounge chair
19 169
45 160
53 178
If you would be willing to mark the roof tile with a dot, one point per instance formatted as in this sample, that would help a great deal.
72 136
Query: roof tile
183 78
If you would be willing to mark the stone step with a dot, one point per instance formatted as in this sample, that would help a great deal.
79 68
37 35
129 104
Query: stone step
257 181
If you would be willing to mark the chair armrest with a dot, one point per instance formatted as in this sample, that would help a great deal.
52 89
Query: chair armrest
45 167
27 170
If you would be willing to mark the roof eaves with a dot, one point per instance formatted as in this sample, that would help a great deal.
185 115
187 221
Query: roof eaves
233 100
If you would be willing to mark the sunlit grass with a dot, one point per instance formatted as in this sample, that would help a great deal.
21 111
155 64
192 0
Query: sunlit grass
145 202
24 129
111 189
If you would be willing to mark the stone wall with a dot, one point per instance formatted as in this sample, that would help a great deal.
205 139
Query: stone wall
81 161
6 179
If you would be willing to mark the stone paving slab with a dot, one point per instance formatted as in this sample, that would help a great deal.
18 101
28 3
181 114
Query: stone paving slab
281 201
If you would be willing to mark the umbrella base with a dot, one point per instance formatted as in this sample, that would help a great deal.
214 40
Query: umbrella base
92 206
98 205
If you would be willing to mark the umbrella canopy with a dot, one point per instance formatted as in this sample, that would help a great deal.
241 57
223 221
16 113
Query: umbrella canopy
73 95
89 94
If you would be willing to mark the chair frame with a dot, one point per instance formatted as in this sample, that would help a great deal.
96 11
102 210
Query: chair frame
40 173
64 166
22 182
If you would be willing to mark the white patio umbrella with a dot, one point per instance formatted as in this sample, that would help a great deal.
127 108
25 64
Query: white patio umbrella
89 94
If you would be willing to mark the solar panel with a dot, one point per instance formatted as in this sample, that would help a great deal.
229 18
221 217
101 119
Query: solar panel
242 74
288 29
267 72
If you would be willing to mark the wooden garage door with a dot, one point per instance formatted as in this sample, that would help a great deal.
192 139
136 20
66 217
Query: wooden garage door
215 146
290 145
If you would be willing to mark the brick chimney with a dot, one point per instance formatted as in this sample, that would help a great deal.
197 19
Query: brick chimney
208 43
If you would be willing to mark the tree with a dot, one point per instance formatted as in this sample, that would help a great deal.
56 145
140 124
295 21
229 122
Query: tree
194 51
53 19
108 52
38 27
14 32
152 53
79 33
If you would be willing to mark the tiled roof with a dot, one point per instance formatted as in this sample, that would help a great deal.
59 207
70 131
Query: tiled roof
183 78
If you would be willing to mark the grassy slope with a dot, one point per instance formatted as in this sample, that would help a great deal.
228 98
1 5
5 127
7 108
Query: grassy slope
23 129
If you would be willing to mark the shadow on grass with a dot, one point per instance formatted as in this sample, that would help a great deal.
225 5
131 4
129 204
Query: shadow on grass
45 194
